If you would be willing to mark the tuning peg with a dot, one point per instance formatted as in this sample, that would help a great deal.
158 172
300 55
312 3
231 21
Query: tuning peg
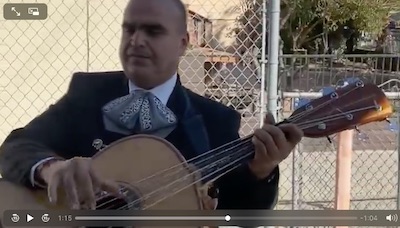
329 139
356 128
387 120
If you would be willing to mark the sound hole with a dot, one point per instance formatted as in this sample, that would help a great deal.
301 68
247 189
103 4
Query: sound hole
129 201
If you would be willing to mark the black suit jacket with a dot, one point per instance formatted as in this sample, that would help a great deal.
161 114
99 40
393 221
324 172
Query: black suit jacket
68 128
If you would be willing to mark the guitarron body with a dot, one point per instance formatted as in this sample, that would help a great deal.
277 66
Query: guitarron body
127 162
149 168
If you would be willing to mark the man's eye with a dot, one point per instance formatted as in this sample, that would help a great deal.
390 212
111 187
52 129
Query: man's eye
128 29
153 31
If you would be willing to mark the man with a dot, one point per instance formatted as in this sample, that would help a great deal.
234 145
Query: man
54 149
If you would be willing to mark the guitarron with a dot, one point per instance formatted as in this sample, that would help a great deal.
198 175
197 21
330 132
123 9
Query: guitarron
176 183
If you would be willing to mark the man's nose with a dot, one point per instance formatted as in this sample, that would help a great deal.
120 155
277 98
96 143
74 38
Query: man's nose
137 39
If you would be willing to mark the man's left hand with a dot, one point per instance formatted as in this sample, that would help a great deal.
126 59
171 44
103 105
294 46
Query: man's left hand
273 144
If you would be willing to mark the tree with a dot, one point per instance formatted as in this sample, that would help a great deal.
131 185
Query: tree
299 19
366 15
304 23
248 29
312 19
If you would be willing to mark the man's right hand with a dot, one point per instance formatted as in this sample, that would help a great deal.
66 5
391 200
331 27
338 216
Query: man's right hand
78 180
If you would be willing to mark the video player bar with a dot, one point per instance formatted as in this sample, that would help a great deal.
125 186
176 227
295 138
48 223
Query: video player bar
201 218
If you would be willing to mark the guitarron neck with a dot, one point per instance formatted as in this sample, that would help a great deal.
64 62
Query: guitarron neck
225 158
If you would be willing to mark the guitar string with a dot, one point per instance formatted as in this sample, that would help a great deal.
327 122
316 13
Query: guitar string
302 127
312 124
290 119
236 164
244 140
303 124
192 160
208 155
237 148
302 114
147 196
203 161
248 151
336 115
170 193
213 163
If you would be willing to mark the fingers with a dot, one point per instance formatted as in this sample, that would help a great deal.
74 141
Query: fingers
64 178
274 143
87 189
277 135
111 187
292 133
260 139
56 180
52 188
104 185
269 119
71 192
79 182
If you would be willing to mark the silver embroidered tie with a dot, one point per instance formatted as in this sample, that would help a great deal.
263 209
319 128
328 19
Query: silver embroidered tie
139 112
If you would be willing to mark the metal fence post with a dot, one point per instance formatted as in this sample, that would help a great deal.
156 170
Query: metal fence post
398 163
273 56
263 95
297 178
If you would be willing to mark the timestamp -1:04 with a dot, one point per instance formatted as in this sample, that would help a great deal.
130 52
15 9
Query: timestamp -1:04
369 218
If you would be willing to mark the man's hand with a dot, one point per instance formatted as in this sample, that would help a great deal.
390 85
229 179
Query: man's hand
76 177
273 144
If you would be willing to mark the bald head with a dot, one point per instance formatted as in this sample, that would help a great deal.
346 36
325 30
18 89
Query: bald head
182 9
154 37
175 7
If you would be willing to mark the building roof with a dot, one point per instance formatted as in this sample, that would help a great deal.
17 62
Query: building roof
213 55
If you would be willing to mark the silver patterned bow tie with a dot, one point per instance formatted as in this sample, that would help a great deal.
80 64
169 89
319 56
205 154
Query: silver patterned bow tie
139 112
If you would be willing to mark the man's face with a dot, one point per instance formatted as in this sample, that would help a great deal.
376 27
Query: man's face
152 41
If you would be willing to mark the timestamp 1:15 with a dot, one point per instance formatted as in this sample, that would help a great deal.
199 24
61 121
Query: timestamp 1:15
65 218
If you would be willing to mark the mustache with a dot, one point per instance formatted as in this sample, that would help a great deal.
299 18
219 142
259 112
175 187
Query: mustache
137 53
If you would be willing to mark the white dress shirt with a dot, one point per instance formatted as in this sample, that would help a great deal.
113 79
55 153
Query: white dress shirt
162 92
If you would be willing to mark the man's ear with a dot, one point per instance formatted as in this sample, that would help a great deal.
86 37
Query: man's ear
185 43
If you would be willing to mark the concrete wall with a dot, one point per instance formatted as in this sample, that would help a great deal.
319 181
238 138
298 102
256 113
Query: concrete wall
37 60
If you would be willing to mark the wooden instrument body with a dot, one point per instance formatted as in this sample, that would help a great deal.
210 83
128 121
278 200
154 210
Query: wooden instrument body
126 161
132 159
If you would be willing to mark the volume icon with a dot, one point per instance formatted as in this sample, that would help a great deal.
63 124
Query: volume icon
393 217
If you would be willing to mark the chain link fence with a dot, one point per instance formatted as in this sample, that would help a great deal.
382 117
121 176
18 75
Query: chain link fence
309 176
37 59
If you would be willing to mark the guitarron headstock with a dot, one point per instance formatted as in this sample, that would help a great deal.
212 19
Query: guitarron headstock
345 108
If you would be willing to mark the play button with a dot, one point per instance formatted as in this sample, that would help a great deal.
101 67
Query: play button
29 218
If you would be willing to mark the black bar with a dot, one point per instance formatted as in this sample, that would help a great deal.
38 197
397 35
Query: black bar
206 218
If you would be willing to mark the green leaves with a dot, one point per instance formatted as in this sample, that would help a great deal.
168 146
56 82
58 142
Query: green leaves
304 22
366 15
